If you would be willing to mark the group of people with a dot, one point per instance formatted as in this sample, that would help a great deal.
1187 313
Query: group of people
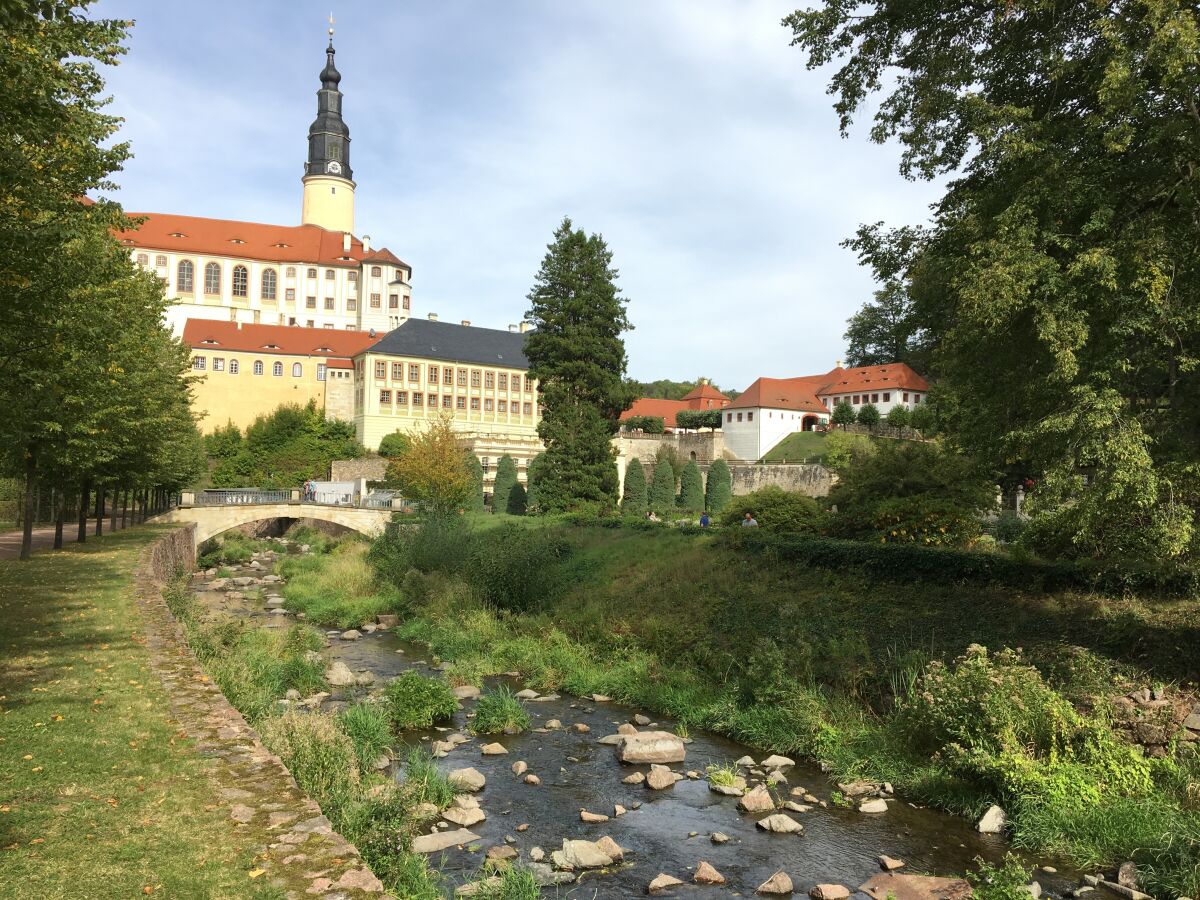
748 520
310 490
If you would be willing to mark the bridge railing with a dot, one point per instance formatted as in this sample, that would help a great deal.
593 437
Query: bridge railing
240 497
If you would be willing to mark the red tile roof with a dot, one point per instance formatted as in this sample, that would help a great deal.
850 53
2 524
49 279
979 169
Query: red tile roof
250 240
704 391
804 393
287 340
650 406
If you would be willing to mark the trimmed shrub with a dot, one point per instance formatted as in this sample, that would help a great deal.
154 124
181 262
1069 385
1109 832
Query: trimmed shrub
368 726
868 415
648 424
500 711
517 500
506 478
718 491
776 509
475 468
418 702
662 488
899 416
691 488
634 498
395 444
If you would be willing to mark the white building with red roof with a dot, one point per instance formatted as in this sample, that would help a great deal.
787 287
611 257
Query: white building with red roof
317 274
772 408
702 396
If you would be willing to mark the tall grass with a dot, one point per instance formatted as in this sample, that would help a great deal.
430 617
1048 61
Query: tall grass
424 781
500 711
338 590
418 702
369 728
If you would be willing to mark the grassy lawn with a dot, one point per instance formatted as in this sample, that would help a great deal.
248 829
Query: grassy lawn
100 796
798 447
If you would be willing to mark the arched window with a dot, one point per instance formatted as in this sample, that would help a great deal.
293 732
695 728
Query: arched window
212 279
312 273
234 367
376 271
277 369
297 370
352 277
330 274
269 279
291 272
185 280
258 367
241 281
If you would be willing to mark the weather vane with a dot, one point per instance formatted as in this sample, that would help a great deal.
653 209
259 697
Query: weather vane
331 26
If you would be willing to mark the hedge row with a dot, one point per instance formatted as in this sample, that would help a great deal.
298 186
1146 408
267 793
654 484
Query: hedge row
907 562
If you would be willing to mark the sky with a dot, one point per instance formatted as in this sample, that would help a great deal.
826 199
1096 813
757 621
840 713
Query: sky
687 132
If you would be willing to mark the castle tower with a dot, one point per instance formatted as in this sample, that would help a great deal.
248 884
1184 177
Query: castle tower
328 179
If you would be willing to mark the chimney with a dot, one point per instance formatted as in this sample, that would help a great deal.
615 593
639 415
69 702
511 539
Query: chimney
704 381
466 323
346 243
366 241
512 328
525 326
432 317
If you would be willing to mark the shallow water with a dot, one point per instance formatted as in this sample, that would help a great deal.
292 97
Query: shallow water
838 845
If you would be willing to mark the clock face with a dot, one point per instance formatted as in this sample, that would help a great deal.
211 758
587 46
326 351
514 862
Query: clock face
334 167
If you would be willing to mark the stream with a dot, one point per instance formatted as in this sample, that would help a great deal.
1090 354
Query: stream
667 830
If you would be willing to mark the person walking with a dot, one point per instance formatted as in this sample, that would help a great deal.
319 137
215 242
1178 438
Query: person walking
748 521
704 520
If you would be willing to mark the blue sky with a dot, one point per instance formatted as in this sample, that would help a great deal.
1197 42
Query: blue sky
687 132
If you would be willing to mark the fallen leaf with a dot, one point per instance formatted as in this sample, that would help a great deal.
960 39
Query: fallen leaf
254 873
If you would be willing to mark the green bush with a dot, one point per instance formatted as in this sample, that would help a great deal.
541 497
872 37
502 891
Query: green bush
506 479
924 520
1007 881
500 711
518 500
634 498
516 568
777 510
368 726
842 448
417 702
320 756
662 488
899 416
868 415
439 543
395 444
230 549
224 442
475 468
843 413
691 488
648 424
718 490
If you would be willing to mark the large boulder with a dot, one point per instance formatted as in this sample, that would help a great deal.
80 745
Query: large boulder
780 824
660 777
468 779
339 675
706 874
992 821
464 817
777 884
651 747
757 800
829 892
580 855
662 882
442 840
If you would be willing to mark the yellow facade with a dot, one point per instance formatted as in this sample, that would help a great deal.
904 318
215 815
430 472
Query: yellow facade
329 203
235 386
495 408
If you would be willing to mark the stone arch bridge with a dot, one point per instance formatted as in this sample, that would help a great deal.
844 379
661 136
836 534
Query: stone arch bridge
216 512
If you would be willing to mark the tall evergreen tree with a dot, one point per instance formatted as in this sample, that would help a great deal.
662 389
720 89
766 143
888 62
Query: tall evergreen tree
577 354
719 489
662 488
691 488
475 471
531 483
516 505
633 500
506 479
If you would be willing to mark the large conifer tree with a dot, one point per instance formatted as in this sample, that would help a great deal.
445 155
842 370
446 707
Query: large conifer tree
577 354
719 489
506 479
662 488
691 488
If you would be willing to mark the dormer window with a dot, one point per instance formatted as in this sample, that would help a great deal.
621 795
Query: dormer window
209 341
175 234
281 245
236 241
270 346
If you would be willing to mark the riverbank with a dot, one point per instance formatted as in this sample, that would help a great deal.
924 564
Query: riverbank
103 795
875 680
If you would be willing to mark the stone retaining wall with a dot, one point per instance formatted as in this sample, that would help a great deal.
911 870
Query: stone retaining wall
298 851
812 480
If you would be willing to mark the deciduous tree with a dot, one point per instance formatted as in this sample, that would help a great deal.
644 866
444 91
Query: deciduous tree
435 470
843 414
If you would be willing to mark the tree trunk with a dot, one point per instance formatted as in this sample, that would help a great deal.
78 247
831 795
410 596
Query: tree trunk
124 509
116 506
85 494
60 513
30 484
99 510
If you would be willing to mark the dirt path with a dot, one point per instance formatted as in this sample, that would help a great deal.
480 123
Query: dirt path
43 537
